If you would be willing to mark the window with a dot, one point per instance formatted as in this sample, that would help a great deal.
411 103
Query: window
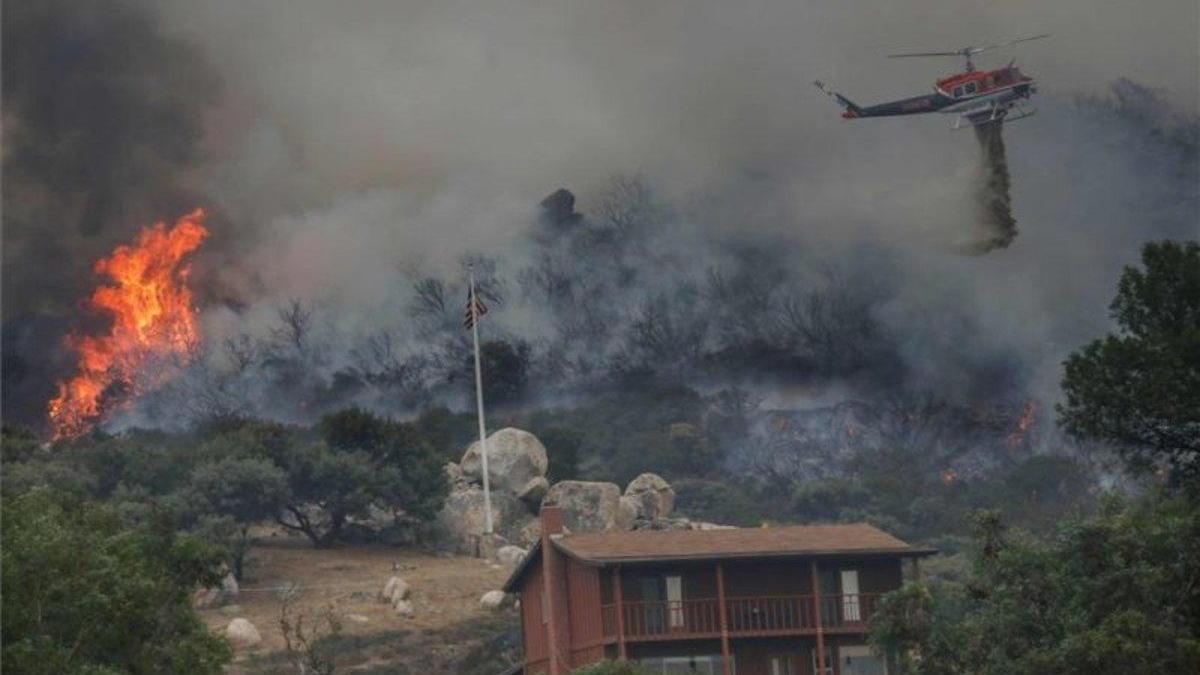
779 665
958 92
851 611
675 601
970 88
652 604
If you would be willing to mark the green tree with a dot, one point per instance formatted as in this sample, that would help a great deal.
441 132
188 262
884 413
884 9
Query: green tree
1139 389
1116 592
449 432
17 444
362 462
412 479
562 451
920 626
505 371
85 593
612 668
226 497
328 486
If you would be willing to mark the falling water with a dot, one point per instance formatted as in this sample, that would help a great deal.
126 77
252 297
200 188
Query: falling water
998 228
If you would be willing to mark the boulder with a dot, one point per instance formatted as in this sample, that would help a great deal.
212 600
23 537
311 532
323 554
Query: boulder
493 600
461 521
515 457
242 633
489 545
229 586
533 491
587 505
394 590
654 496
205 598
627 512
404 608
510 555
530 532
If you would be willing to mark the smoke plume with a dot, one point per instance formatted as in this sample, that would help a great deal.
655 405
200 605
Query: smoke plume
353 157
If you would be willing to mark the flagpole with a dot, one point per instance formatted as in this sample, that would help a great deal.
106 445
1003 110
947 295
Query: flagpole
483 455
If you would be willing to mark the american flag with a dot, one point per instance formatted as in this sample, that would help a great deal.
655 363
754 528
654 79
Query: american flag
475 309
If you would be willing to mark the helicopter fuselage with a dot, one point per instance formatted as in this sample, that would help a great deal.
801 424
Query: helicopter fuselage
970 94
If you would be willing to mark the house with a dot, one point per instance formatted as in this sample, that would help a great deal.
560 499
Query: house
737 601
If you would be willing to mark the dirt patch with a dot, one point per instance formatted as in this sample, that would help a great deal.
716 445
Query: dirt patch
445 593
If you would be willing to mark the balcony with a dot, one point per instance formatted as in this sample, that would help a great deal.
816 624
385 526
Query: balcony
744 617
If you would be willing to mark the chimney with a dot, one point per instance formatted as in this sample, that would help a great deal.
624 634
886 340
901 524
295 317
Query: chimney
551 515
554 589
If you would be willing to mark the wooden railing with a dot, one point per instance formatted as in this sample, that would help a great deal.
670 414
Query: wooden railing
760 615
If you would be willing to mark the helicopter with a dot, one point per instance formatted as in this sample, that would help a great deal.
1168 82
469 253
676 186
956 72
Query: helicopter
977 97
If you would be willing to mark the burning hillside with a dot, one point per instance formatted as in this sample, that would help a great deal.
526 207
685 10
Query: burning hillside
153 325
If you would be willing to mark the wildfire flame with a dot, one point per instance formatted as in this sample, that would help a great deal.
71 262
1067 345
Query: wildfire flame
1024 424
153 323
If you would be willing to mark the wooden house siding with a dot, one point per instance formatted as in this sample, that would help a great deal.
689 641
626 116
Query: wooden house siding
744 611
533 629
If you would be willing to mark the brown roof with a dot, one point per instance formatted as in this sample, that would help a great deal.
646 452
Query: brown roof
667 545
649 545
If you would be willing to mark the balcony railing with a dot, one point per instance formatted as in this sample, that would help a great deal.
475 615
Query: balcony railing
761 615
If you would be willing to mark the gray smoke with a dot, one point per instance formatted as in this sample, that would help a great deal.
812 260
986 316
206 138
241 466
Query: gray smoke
357 155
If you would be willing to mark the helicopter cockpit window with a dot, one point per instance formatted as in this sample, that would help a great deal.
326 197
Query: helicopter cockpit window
969 88
958 92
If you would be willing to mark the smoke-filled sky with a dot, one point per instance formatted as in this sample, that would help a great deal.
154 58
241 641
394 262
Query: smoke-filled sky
345 149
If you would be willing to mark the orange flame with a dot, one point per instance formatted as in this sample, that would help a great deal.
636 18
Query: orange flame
1024 424
153 321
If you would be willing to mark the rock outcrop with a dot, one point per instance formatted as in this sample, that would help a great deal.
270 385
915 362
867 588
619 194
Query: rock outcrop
653 496
587 506
515 458
517 465
534 491
461 521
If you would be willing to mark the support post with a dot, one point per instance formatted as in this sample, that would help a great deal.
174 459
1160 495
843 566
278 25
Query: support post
726 663
619 601
483 454
816 590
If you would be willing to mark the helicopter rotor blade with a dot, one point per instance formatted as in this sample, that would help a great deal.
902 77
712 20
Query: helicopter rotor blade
976 50
969 51
906 55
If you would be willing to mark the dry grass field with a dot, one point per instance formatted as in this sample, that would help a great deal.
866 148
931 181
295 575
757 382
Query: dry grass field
445 597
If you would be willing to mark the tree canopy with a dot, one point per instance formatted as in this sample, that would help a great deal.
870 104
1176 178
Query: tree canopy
1139 388
86 593
1117 592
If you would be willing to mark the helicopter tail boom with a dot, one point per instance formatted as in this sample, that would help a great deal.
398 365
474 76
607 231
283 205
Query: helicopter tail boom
852 109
